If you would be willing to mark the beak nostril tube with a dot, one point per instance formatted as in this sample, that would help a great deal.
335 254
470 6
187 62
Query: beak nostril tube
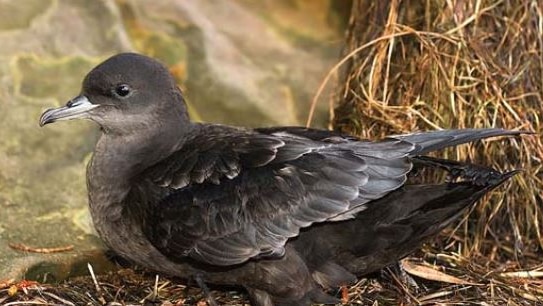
77 107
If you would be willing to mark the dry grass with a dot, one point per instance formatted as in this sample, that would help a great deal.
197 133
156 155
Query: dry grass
122 287
472 286
422 65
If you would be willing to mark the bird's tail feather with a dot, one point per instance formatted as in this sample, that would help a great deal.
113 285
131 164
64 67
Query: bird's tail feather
435 140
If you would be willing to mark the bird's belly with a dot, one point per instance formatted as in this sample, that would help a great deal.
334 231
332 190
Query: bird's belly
127 240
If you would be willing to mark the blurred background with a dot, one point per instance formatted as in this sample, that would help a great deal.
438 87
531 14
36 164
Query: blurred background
364 67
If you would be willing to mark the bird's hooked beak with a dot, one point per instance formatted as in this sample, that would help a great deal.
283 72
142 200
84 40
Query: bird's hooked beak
76 108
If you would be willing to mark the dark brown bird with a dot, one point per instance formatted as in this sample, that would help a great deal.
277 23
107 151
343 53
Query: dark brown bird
285 212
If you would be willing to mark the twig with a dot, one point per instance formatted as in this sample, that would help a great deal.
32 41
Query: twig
96 285
25 248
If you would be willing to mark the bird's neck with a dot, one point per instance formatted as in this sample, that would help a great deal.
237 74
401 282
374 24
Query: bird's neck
111 173
119 158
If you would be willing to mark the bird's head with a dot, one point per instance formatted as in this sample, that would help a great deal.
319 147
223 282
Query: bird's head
126 92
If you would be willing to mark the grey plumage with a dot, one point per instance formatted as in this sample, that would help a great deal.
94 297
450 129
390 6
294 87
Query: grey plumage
284 212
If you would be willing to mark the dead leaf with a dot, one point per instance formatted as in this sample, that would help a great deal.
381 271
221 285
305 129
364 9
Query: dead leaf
12 290
430 273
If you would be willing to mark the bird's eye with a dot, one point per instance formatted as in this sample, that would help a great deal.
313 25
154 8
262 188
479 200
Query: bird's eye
122 91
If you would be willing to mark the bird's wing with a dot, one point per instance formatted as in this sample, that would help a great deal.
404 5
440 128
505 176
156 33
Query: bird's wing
212 154
241 194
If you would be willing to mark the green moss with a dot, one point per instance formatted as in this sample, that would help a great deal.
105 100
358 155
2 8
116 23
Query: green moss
169 50
39 77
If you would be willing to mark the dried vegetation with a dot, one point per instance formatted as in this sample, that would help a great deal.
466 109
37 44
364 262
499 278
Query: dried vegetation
423 65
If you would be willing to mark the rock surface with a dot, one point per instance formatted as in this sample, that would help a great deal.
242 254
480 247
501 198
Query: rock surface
238 62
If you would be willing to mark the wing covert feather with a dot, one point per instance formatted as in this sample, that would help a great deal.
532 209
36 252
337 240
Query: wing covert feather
246 193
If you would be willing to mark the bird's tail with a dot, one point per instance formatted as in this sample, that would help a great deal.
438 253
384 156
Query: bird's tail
402 220
435 140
